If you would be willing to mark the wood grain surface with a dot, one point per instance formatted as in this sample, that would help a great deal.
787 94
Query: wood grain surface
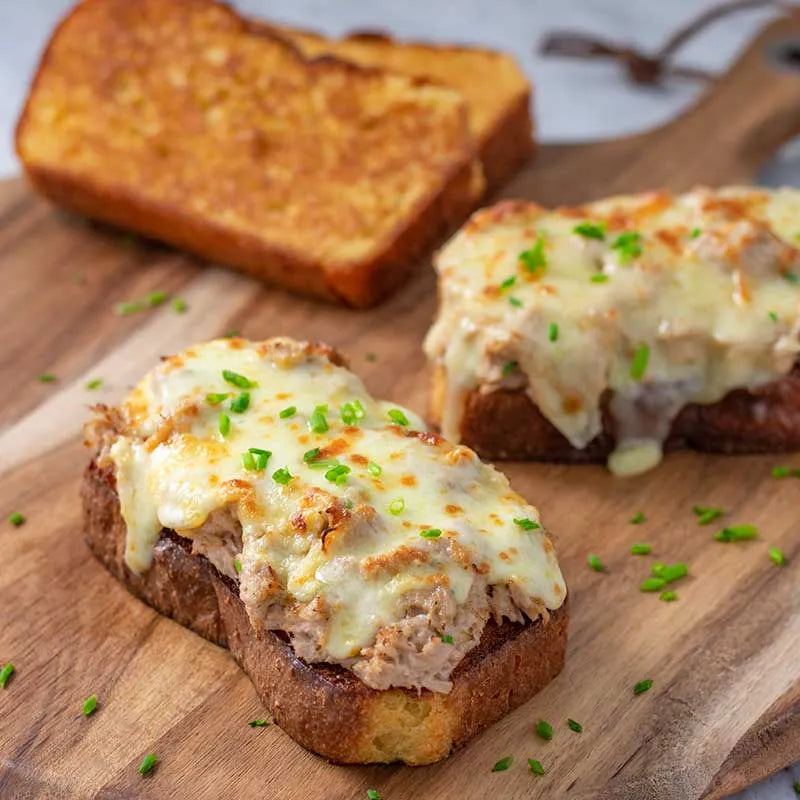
724 710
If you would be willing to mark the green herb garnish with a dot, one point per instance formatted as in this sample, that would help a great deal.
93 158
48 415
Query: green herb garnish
737 533
535 766
652 585
552 332
353 413
575 726
89 705
503 764
16 519
515 301
792 277
258 723
148 762
508 282
261 456
248 461
641 549
591 230
128 308
785 472
323 463
773 316
527 524
670 572
599 277
282 476
156 298
47 377
397 416
310 455
638 518
639 363
694 233
237 566
629 246
430 533
338 474
215 398
5 674
287 412
595 563
235 379
534 258
318 422
776 556
544 729
643 686
224 423
374 469
447 638
372 357
396 506
241 403
93 384
179 305
372 794
668 597
707 514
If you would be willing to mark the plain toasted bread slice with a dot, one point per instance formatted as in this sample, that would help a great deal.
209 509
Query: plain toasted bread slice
496 90
175 118
326 708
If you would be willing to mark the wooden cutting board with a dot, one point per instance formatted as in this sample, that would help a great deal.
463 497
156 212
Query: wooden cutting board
724 710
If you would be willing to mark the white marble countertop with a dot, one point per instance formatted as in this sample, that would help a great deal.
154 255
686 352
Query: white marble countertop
574 99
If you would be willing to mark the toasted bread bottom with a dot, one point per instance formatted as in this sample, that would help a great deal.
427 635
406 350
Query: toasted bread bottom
506 424
324 707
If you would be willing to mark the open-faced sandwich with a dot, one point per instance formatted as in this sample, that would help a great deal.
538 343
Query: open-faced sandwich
615 329
388 594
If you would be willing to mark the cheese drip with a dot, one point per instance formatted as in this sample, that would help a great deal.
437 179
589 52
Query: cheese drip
356 525
635 305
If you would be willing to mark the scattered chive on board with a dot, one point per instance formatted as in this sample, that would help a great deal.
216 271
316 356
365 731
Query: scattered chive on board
535 766
643 686
16 519
179 305
156 298
777 557
544 729
148 762
669 596
575 726
707 514
127 308
372 794
638 518
5 674
737 533
652 585
94 383
503 764
641 549
595 563
258 723
47 377
90 705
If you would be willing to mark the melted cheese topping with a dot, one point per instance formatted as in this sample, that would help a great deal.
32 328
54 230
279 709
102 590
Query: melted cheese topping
351 553
662 301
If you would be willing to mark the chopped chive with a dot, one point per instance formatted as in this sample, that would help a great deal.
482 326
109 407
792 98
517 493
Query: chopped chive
430 533
641 549
318 422
241 403
786 472
215 398
235 379
372 794
776 556
599 277
372 357
5 674
503 764
773 316
669 596
94 383
575 726
237 565
290 411
652 585
447 638
515 301
128 308
323 463
629 246
694 233
527 524
591 230
639 363
338 474
638 518
397 416
148 762
156 298
535 766
509 367
534 258
552 332
352 413
310 455
16 519
89 705
670 572
707 514
248 461
179 305
396 506
595 563
737 533
508 282
47 377
282 476
258 723
224 423
262 456
544 729
374 469
792 277
643 686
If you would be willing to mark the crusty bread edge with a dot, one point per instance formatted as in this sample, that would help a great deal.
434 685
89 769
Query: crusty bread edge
326 709
506 424
360 284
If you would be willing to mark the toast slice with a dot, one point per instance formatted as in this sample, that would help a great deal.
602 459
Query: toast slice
177 119
383 569
496 90
619 329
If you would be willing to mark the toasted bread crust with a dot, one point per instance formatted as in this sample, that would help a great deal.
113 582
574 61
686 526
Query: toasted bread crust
506 424
323 707
452 189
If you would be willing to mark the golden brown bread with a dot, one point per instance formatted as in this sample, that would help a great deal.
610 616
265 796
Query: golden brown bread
506 424
326 708
496 90
177 119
